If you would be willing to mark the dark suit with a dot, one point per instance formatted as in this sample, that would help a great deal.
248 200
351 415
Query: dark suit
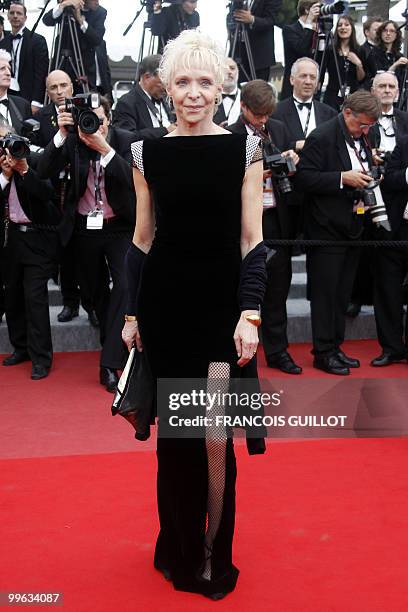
29 259
328 216
94 247
261 38
18 110
401 128
297 42
48 120
170 22
278 222
391 264
88 42
132 113
287 113
33 64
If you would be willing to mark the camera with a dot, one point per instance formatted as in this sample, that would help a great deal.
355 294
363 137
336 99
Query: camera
239 5
281 167
17 146
372 198
337 8
80 107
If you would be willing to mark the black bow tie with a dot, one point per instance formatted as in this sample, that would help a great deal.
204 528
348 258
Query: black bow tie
5 102
301 105
388 116
226 95
156 101
16 36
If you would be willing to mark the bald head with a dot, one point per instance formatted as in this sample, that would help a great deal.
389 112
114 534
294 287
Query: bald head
59 86
385 88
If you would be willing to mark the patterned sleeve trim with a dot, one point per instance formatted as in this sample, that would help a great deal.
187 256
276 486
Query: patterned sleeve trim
253 150
137 154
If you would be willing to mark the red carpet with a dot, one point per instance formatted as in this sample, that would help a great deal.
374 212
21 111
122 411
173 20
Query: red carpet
321 525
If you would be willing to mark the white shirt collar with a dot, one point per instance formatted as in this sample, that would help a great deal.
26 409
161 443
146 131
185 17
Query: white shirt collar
303 101
21 30
5 97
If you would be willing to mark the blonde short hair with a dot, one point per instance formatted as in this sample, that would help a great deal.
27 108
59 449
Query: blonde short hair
192 50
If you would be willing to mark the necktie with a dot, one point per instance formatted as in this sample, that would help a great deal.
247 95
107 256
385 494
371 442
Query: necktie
301 105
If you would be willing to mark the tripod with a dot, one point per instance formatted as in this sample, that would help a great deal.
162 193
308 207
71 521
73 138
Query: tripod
154 42
68 58
328 42
241 37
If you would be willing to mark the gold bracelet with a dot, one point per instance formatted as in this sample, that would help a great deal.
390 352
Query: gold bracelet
130 318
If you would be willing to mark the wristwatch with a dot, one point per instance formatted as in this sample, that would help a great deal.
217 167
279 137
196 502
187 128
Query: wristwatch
130 318
255 319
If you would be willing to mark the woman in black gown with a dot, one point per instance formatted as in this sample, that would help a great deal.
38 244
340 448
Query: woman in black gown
349 62
387 56
199 213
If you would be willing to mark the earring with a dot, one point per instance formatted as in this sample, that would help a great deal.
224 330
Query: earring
169 100
218 99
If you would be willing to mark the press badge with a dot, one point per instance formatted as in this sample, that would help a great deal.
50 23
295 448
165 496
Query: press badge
94 219
344 94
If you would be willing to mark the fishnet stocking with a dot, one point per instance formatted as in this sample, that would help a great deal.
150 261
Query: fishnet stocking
216 443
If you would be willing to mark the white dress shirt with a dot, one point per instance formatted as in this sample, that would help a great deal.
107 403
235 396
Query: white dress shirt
304 113
387 132
161 119
232 106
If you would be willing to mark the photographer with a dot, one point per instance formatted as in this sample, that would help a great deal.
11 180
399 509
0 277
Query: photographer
259 18
336 179
89 23
168 22
299 40
100 209
279 219
30 247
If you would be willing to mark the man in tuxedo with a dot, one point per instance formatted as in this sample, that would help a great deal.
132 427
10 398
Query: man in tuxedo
13 109
391 264
230 108
300 112
100 209
143 110
299 40
279 221
29 58
259 19
30 237
167 23
332 178
89 23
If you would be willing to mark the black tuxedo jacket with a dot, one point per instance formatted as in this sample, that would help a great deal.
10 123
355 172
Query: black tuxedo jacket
48 119
329 210
35 196
297 43
88 41
401 124
19 110
132 113
261 33
285 215
171 21
118 177
395 189
33 66
220 115
287 113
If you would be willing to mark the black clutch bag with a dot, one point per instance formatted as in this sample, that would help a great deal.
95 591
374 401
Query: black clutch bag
135 395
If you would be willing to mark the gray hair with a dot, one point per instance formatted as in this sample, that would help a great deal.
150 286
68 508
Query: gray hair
378 77
295 65
5 55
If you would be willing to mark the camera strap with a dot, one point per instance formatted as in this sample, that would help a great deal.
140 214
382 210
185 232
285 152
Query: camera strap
97 183
6 194
14 57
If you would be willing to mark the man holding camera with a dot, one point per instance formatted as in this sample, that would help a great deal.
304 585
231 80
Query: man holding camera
299 40
30 247
143 110
89 23
100 209
279 218
167 23
29 57
336 181
258 17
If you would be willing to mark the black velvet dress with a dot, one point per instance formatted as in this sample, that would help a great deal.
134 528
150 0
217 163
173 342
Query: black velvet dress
187 312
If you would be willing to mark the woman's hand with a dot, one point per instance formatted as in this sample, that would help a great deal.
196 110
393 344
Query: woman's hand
130 335
402 61
246 338
354 59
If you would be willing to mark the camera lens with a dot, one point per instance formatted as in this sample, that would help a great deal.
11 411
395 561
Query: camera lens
19 150
89 122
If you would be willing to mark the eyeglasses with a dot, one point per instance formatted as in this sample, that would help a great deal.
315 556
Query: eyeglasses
385 72
363 126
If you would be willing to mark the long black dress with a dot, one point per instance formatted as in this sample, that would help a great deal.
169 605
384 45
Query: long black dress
187 312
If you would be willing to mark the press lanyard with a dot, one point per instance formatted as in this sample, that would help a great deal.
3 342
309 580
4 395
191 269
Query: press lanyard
309 113
359 157
97 183
14 56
